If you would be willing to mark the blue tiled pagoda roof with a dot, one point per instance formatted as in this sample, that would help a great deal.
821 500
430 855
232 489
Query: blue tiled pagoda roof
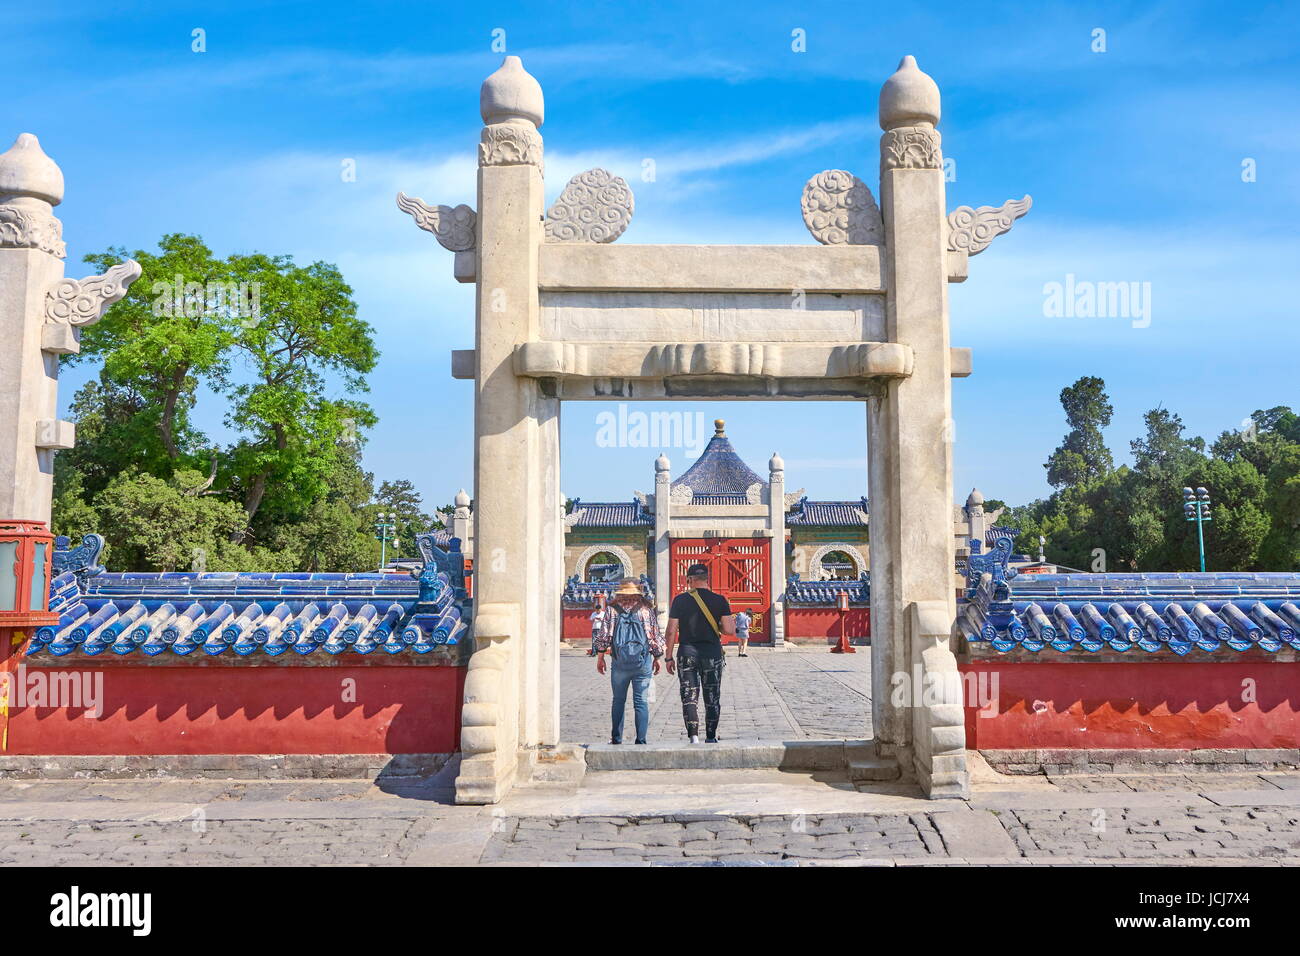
1154 612
610 514
180 612
719 471
837 514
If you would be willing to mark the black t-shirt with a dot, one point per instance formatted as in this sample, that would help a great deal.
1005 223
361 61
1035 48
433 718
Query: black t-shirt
695 634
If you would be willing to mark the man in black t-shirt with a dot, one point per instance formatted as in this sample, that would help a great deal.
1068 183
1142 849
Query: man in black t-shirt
697 620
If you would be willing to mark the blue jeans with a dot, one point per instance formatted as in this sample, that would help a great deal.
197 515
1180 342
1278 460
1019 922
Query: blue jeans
638 676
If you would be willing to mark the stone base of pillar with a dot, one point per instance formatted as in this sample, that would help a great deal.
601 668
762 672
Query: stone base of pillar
938 718
483 781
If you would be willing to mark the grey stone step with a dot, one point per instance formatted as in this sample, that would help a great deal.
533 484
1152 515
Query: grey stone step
873 769
729 755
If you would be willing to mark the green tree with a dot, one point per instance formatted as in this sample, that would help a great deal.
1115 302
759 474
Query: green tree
306 335
171 329
1083 454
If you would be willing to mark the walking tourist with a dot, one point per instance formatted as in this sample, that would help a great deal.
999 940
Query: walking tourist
628 631
696 622
743 619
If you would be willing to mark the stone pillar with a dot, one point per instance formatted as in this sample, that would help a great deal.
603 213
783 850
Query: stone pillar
976 523
41 315
460 518
776 522
911 422
517 434
663 515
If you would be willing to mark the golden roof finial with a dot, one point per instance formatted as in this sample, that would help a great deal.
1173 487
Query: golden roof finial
718 425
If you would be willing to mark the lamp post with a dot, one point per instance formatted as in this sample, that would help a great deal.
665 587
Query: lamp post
384 524
1196 507
843 646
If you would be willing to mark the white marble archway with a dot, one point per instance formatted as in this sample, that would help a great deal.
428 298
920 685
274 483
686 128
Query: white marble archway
580 566
815 562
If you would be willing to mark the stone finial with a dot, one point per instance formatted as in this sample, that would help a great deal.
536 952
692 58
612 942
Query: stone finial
25 170
776 463
462 499
909 98
511 93
974 499
661 464
719 426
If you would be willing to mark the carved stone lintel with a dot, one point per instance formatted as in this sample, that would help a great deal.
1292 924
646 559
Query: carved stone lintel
510 144
838 209
971 230
911 147
453 228
596 206
82 302
31 228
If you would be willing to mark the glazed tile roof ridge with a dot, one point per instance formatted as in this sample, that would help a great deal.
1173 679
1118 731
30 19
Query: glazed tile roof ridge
610 514
827 593
829 513
243 613
584 593
719 470
1172 611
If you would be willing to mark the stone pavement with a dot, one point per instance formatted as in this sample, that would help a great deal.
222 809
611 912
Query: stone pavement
661 817
802 692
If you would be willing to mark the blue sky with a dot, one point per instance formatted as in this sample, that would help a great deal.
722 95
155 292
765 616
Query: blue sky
1133 157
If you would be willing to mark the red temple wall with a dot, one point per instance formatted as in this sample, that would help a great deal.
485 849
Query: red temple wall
202 707
1149 704
824 623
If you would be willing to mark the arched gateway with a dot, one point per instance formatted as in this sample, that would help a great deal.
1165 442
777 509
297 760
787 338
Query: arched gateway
564 315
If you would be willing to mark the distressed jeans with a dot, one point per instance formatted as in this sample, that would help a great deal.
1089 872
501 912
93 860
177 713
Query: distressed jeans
696 673
638 678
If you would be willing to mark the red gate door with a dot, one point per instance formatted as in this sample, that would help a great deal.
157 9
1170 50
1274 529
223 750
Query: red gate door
738 570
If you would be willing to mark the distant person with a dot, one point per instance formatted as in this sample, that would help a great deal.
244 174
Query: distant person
696 622
743 619
628 630
595 622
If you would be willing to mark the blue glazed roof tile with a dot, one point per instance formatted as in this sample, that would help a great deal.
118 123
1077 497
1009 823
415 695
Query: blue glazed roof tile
1154 612
719 471
247 613
610 514
839 514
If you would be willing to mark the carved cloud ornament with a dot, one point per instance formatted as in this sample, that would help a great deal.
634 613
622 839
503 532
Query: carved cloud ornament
595 206
971 230
453 228
838 209
84 301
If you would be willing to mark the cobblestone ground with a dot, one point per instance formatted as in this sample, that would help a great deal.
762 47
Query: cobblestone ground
1252 819
769 695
